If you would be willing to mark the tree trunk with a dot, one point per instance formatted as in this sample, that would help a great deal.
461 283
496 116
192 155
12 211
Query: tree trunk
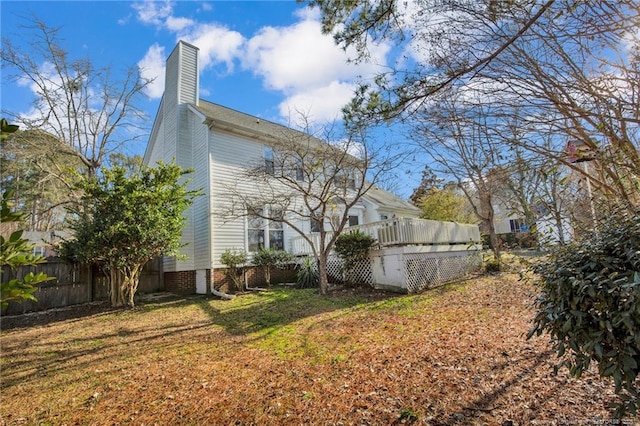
322 272
115 283
495 246
560 226
130 283
123 285
493 237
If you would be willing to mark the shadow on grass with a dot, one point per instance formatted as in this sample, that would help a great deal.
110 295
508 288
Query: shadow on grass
51 316
255 312
248 313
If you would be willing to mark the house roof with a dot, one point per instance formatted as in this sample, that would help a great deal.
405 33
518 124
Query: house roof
387 200
227 118
230 119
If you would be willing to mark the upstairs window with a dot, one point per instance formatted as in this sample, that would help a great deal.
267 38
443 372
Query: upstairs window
353 220
268 160
346 180
316 224
299 171
518 225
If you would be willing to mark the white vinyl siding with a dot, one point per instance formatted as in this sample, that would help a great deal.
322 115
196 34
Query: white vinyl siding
188 75
175 132
157 153
200 181
230 156
184 158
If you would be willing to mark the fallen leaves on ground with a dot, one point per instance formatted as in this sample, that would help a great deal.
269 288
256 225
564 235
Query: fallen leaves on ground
457 355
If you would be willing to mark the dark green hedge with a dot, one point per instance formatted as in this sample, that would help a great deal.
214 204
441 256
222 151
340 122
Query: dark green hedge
590 304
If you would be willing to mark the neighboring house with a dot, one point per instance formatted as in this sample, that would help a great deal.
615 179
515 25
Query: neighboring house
550 233
218 143
547 230
505 221
44 242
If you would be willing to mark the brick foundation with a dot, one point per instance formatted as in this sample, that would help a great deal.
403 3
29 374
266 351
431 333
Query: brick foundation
184 282
254 278
180 282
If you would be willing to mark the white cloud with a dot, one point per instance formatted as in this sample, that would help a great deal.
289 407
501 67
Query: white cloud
152 67
124 20
298 60
322 104
351 147
178 24
307 67
153 12
307 13
301 57
206 7
217 44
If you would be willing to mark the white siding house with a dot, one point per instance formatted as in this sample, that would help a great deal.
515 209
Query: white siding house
218 143
547 230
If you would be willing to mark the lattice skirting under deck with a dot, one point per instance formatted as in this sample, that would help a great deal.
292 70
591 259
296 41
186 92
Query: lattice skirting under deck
420 271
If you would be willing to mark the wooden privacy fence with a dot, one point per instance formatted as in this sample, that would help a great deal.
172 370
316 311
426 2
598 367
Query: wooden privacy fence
75 284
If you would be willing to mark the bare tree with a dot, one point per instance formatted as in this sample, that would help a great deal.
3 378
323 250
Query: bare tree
85 107
566 70
443 44
574 80
310 184
556 200
463 145
520 180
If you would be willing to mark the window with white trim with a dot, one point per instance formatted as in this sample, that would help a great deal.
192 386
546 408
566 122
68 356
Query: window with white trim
299 171
268 160
265 233
316 224
346 180
518 225
275 231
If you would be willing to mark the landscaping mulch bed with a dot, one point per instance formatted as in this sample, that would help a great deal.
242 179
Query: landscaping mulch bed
456 355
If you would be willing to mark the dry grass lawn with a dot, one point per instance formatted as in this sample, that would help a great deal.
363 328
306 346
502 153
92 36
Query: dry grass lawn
454 355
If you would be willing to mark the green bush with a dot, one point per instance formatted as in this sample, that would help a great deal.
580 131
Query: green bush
308 275
353 247
269 258
15 252
234 260
492 266
590 304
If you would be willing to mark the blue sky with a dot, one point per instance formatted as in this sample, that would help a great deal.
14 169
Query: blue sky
265 58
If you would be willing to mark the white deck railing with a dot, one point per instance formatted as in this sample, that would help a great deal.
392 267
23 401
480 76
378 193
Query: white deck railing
403 231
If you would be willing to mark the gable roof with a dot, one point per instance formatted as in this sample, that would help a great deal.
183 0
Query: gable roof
230 119
387 200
